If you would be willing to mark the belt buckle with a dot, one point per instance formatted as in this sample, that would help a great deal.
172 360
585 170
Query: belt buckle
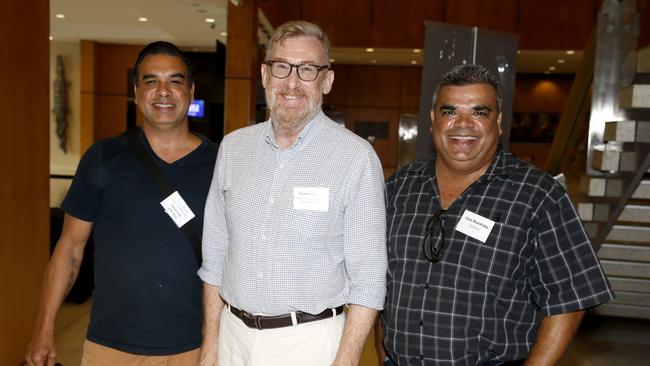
255 320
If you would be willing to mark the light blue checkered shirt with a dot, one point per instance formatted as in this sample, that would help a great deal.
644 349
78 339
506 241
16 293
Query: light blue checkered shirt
270 258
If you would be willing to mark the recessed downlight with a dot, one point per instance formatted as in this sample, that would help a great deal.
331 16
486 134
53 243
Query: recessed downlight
551 68
369 49
223 34
210 20
417 50
570 52
143 19
60 16
413 62
561 61
332 60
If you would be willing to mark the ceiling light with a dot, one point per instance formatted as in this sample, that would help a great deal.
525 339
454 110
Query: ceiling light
224 34
546 72
551 68
51 38
332 60
59 16
570 52
370 50
413 62
373 61
417 50
560 61
210 20
143 19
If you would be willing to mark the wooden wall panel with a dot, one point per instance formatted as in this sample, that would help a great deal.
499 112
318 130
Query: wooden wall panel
113 62
411 82
373 86
110 115
537 94
556 24
24 168
338 94
644 16
551 24
386 148
346 22
534 153
498 15
280 11
88 70
401 24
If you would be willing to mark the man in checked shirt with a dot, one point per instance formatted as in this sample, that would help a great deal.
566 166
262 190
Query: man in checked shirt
295 224
488 262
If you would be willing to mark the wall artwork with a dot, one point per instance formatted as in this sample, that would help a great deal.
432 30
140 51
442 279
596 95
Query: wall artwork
61 109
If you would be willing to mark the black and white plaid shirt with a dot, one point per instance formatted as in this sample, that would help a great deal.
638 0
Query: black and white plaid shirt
483 301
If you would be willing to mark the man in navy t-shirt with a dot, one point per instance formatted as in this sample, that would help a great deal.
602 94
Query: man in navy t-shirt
147 298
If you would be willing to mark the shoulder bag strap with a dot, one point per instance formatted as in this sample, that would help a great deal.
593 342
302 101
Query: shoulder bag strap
145 159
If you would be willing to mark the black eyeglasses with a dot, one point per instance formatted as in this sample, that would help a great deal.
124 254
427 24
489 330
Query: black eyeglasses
306 72
434 239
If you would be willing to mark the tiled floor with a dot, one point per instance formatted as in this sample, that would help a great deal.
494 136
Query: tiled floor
600 341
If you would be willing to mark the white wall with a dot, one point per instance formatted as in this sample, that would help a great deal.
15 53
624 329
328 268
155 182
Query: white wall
65 163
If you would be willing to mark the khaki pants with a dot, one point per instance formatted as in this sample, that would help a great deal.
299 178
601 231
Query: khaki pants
311 344
98 355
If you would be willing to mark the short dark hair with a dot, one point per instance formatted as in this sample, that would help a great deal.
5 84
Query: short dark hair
161 48
461 75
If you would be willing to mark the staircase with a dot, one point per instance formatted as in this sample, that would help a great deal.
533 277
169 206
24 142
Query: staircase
616 208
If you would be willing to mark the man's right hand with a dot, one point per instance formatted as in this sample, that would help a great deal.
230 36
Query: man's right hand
208 357
42 351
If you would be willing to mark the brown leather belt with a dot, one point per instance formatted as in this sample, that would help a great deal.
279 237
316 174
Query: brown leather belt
279 321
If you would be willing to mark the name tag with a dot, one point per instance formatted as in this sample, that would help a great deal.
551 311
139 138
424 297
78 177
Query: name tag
177 209
311 198
476 226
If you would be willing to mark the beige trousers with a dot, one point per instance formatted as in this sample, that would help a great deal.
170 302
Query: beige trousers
97 355
311 344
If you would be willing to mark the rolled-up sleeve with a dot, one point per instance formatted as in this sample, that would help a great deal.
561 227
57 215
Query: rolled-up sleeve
365 235
215 229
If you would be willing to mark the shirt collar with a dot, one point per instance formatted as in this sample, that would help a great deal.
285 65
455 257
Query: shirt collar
305 135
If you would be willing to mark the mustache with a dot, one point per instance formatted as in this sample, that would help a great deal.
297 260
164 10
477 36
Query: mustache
291 92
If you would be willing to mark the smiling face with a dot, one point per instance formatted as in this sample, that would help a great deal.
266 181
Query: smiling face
291 101
465 127
163 92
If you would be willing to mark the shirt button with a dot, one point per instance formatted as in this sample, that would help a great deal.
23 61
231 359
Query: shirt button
421 357
426 285
421 323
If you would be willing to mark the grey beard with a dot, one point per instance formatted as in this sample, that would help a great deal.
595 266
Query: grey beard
293 121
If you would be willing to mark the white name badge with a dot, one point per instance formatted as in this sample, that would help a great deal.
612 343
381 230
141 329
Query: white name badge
177 209
311 198
476 226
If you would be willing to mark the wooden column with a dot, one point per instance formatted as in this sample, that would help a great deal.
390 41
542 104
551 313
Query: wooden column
242 68
87 81
24 171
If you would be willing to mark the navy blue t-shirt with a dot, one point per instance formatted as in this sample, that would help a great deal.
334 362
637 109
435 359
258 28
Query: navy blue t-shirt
147 297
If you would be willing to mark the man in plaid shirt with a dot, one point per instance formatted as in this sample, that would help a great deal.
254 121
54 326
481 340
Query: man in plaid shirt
488 261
